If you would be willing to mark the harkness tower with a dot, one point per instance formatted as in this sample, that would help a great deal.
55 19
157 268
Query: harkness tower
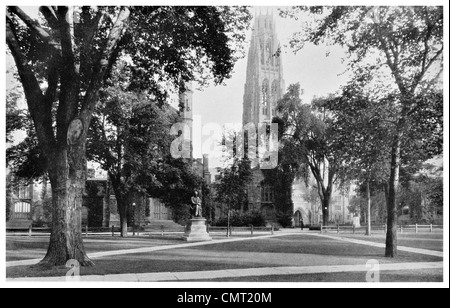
264 84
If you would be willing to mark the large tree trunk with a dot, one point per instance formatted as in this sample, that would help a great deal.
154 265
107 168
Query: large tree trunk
124 222
67 177
325 210
122 205
391 235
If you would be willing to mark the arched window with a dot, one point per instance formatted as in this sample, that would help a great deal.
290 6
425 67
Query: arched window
275 91
261 47
21 207
269 54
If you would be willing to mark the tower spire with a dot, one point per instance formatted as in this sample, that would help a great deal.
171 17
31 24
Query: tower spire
186 99
264 82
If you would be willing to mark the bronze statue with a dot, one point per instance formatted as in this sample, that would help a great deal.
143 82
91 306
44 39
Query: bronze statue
196 205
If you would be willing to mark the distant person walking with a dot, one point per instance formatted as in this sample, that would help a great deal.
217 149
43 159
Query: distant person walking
301 224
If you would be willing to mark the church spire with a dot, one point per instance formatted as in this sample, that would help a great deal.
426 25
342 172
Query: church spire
186 110
264 81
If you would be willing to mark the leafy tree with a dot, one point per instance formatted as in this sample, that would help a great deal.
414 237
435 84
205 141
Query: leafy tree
363 127
312 198
179 181
402 47
310 140
62 60
15 117
129 138
423 195
9 192
231 188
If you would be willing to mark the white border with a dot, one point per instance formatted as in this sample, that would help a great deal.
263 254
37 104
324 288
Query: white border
232 284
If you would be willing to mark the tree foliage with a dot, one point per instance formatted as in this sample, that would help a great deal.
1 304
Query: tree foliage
231 187
310 143
63 59
400 50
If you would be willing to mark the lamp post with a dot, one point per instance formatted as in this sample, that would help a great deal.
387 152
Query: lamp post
228 222
134 218
369 218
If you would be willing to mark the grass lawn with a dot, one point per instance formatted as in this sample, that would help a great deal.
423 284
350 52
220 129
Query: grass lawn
290 250
431 241
23 248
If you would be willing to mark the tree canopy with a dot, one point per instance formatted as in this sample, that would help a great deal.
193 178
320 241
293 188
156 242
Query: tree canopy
395 53
63 59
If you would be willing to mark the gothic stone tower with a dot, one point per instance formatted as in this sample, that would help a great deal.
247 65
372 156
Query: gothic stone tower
264 83
186 99
263 88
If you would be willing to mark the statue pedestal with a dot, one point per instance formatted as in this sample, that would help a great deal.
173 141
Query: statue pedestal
356 222
196 230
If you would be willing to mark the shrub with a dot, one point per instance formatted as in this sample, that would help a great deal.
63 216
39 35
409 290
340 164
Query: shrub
254 218
285 220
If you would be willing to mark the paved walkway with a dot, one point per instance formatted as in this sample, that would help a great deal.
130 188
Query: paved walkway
236 273
382 245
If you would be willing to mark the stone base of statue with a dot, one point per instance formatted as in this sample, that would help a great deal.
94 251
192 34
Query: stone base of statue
196 230
356 222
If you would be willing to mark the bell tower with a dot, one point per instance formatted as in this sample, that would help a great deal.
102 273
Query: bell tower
264 82
186 100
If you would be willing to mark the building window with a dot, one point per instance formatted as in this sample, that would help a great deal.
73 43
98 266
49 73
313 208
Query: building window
275 91
265 97
267 194
24 192
21 207
269 52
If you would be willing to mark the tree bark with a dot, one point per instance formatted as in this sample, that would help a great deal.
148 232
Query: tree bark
123 222
325 210
122 204
391 235
67 177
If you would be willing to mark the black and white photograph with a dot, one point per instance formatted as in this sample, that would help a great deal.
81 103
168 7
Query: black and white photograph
217 145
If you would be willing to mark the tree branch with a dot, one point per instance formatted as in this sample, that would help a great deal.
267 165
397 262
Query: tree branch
69 74
50 15
392 64
32 24
52 79
115 34
29 82
33 93
67 35
90 28
425 68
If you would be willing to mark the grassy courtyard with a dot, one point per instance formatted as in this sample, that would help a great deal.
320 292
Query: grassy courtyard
288 250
